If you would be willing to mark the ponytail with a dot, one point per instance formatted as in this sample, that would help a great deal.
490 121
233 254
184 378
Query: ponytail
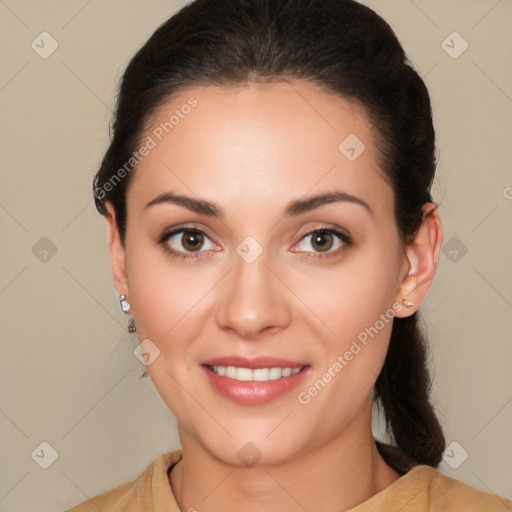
402 389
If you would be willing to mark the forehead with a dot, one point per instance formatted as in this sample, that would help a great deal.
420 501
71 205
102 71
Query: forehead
261 140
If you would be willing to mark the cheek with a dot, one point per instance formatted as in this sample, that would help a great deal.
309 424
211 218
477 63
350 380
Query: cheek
163 292
350 297
351 359
353 306
170 308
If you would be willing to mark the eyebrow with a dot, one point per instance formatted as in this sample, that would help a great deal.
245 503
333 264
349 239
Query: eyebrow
294 208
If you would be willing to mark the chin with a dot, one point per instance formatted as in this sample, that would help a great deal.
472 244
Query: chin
254 449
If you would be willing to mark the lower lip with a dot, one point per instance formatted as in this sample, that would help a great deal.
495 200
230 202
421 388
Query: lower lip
251 392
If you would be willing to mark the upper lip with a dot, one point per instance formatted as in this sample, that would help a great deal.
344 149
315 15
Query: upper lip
254 362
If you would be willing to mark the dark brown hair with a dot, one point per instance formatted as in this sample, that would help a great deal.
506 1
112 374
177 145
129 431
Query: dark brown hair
346 49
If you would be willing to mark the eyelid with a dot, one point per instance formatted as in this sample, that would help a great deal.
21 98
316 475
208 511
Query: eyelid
170 232
343 236
167 233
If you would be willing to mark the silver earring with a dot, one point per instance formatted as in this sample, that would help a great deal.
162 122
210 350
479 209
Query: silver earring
125 305
131 326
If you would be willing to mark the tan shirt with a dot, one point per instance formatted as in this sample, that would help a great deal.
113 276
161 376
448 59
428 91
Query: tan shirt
421 489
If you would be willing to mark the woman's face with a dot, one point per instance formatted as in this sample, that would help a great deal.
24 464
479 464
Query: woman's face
253 275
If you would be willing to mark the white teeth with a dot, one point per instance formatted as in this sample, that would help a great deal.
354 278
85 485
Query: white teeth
230 372
258 374
243 374
275 373
261 374
286 372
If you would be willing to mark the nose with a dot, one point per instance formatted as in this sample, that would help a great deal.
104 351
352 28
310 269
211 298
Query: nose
253 301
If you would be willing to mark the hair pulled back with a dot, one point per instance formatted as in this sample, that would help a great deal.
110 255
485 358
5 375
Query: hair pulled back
347 49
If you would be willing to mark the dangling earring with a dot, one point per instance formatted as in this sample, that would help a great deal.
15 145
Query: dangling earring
131 326
407 303
125 305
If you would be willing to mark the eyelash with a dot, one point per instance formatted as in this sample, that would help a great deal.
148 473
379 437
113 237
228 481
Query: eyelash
177 254
343 237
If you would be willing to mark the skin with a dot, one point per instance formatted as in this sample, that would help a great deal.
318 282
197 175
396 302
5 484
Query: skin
252 150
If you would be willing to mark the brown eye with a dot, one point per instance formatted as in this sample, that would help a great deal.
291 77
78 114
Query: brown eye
186 241
322 241
329 241
192 240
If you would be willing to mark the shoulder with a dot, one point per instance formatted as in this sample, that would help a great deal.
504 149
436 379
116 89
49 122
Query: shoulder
425 489
448 494
149 491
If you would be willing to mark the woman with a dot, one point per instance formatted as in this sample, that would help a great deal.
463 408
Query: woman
272 234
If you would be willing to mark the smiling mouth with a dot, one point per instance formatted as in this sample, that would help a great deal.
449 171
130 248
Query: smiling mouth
256 374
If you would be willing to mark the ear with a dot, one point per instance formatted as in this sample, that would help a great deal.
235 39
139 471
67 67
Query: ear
117 252
422 255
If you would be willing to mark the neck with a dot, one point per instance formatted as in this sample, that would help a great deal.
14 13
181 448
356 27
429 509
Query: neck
336 476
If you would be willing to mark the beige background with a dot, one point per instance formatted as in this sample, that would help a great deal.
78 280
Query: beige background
68 373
